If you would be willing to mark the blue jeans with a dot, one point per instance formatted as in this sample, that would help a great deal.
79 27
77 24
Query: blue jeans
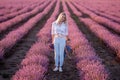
59 46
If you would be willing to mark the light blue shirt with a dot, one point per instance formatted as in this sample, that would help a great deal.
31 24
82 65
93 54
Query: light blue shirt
59 29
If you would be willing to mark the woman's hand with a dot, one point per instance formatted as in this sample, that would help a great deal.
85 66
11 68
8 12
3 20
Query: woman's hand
52 42
67 38
52 39
68 41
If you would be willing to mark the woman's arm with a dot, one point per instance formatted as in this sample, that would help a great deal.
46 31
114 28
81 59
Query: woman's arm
52 38
67 38
52 33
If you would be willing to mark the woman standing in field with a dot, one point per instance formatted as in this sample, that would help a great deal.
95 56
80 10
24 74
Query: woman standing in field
59 34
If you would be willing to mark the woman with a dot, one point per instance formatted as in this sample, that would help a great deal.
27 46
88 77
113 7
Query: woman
59 37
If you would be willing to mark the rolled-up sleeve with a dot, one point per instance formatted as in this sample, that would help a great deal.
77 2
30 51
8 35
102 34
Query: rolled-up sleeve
52 30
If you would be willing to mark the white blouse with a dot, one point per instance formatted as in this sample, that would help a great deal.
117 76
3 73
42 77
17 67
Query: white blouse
59 29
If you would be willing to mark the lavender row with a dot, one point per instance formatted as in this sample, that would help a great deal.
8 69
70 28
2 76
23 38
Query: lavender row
35 64
7 11
10 6
16 13
110 39
48 25
78 14
37 55
116 19
111 9
99 19
14 36
88 63
104 34
75 11
17 19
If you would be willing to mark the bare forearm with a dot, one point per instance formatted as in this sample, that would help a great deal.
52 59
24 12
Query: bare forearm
52 38
67 37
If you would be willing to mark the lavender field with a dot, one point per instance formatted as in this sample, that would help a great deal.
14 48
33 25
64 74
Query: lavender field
25 35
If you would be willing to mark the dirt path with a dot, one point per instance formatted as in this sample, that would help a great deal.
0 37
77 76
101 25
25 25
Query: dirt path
69 69
102 50
18 52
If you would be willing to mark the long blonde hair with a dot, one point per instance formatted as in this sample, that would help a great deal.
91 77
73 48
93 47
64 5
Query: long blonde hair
60 17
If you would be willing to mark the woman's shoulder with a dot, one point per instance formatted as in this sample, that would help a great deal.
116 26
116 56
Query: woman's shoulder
54 22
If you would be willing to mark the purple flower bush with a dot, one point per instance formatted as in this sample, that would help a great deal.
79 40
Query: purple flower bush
36 62
87 62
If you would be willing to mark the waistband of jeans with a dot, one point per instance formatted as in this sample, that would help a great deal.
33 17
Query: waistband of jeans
60 35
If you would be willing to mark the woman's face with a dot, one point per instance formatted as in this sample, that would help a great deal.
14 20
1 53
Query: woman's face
63 18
